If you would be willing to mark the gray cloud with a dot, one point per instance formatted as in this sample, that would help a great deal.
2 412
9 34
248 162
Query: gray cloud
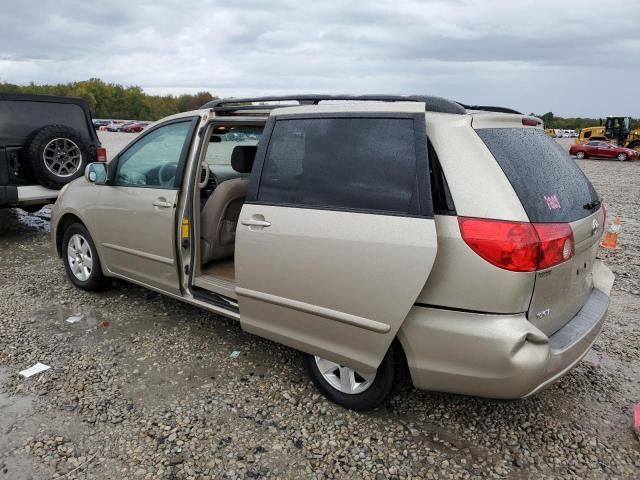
572 57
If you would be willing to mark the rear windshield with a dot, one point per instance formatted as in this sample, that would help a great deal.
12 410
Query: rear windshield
550 185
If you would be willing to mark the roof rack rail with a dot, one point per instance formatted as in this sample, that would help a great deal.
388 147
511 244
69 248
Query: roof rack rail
488 108
229 106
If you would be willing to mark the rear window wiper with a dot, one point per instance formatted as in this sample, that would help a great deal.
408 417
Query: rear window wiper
592 205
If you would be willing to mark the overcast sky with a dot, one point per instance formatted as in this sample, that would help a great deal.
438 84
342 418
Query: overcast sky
570 57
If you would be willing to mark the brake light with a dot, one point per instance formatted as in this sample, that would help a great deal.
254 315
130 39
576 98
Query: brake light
530 122
518 246
101 154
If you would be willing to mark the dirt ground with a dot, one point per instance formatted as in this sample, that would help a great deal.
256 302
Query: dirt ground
146 387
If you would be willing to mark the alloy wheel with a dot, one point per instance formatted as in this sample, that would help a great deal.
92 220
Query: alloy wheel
62 157
344 379
80 257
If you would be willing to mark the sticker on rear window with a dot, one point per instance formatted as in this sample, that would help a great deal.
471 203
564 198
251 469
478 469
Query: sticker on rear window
552 202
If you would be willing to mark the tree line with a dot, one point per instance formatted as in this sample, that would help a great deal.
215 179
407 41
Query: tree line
111 100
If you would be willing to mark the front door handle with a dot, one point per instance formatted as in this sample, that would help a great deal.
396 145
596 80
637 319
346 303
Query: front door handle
161 203
251 222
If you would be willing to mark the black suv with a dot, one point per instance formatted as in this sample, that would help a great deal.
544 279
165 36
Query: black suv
45 142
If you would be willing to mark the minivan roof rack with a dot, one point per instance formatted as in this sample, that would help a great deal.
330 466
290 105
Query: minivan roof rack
231 106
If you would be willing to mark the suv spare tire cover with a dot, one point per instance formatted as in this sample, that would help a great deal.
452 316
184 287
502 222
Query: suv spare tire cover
56 155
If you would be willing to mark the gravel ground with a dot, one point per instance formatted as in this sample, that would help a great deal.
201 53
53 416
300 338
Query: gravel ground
144 387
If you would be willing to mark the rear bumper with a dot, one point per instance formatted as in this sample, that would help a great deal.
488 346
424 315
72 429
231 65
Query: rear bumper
498 356
11 195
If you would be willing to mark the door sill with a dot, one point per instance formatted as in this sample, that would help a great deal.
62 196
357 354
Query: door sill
216 285
215 299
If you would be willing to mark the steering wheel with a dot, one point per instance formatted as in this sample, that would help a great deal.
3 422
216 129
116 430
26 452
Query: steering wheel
207 173
167 174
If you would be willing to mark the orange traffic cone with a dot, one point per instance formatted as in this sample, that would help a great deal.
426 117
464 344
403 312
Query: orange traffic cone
611 238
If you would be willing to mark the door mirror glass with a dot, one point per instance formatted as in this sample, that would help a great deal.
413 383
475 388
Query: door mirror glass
96 173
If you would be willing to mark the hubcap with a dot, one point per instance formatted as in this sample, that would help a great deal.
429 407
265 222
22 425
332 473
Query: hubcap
80 257
344 379
62 157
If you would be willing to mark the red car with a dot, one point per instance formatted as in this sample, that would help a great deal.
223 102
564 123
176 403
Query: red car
597 148
135 127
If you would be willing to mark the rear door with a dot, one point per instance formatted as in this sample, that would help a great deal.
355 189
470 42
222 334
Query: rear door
337 236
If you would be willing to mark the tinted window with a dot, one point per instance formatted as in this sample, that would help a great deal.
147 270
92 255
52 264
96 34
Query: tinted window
153 160
550 185
350 163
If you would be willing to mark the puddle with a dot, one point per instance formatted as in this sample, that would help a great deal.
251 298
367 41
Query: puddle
14 410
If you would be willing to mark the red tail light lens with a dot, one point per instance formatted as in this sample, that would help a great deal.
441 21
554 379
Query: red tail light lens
518 246
556 243
530 122
101 154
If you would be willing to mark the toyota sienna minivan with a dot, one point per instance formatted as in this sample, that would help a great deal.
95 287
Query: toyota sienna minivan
377 235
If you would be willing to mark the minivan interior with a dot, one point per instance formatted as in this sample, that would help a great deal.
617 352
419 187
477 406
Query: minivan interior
228 157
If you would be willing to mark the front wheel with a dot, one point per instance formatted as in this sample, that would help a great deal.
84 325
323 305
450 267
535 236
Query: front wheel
354 390
81 260
580 155
622 157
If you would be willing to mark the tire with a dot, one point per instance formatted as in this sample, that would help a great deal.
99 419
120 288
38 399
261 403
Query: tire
77 250
581 155
622 156
635 145
379 387
56 155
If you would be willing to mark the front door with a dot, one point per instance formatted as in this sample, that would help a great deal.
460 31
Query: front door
136 211
337 236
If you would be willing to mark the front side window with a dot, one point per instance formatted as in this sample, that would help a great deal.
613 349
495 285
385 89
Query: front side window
153 160
342 163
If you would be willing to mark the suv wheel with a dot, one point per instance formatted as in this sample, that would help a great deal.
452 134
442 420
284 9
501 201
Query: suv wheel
580 155
81 259
622 156
353 390
56 154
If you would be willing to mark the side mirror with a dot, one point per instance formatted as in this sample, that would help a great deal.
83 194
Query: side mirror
96 173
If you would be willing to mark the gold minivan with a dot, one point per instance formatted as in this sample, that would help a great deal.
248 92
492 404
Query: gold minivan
378 235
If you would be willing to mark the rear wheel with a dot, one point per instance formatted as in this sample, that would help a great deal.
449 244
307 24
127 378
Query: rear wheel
81 260
581 155
355 390
622 156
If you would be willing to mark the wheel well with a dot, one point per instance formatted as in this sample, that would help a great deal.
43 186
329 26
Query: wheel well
64 223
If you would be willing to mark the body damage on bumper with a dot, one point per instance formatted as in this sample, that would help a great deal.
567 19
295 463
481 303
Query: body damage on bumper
498 356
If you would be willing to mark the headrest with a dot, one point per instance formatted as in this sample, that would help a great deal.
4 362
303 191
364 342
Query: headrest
242 158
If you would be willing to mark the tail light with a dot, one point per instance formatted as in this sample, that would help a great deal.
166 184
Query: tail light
518 246
530 122
101 154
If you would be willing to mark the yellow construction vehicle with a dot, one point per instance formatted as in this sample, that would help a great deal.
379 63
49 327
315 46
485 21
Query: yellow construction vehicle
616 129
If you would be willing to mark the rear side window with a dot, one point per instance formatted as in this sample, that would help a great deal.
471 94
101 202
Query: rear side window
354 163
550 185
